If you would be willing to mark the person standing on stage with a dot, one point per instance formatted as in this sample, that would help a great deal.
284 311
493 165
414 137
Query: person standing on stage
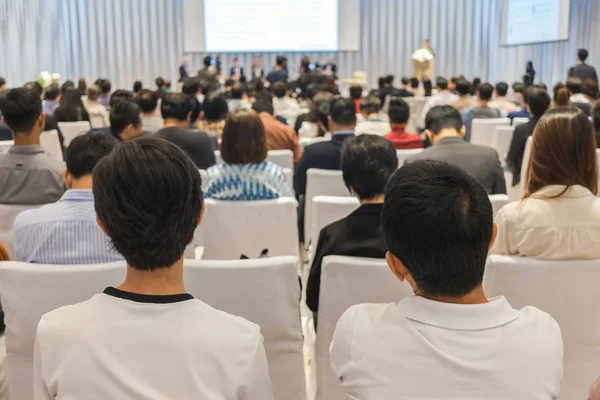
582 70
423 61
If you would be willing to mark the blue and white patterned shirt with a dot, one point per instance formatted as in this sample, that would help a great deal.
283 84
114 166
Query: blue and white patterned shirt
64 232
260 181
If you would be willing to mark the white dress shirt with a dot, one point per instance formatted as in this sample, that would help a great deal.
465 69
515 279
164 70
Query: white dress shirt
287 108
563 228
424 349
96 109
443 98
373 126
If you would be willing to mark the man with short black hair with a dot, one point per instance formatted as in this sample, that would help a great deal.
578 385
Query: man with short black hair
438 224
279 73
27 174
414 85
126 120
575 86
94 108
160 87
481 110
279 135
501 102
51 99
148 338
285 106
176 109
399 113
443 97
105 87
404 90
148 102
582 70
372 123
445 130
465 100
66 232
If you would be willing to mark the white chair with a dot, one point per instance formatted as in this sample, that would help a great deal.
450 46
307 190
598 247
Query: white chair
97 121
304 141
568 291
70 130
405 153
518 121
29 291
266 292
5 146
498 201
328 209
51 144
482 130
8 213
289 177
233 228
525 166
321 182
501 139
347 281
283 158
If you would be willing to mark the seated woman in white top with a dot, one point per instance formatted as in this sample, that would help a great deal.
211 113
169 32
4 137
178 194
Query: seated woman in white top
245 175
559 217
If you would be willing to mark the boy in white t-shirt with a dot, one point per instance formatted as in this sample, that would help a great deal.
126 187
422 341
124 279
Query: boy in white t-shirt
448 341
148 338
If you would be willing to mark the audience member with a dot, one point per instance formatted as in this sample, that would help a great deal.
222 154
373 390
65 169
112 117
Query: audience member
51 99
367 163
438 225
66 232
2 85
399 113
561 96
518 89
445 130
590 90
285 106
443 97
120 95
280 72
317 124
309 94
125 120
235 97
501 102
94 108
538 102
414 85
596 121
355 95
71 108
215 111
372 123
148 102
204 353
50 122
578 99
427 87
176 109
520 93
245 173
82 86
208 77
465 100
559 217
482 110
137 86
404 90
27 174
582 70
326 155
475 86
67 86
541 85
105 87
160 87
278 135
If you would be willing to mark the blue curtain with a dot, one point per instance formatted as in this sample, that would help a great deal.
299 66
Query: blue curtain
127 40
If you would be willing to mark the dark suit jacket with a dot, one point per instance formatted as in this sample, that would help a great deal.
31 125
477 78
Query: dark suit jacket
197 144
357 235
583 71
480 161
402 93
232 71
183 74
514 159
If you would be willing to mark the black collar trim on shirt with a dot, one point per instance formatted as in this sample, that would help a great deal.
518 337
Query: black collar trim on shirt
148 298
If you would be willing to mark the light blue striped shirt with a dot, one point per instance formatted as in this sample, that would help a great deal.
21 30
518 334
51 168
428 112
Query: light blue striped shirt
64 232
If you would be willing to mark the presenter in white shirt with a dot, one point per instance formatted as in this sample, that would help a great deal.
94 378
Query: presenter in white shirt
148 338
448 341
559 217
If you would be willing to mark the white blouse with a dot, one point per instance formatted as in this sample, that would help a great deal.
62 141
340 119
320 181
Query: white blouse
566 227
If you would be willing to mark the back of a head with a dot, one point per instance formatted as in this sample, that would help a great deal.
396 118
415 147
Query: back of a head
443 117
485 91
562 97
475 85
389 80
370 105
66 86
85 151
215 108
93 93
160 82
124 113
36 87
319 110
441 83
71 98
151 232
82 85
263 106
414 82
501 89
538 101
463 87
279 89
518 87
52 92
105 86
244 140
367 163
280 60
147 100
563 151
582 54
176 106
596 115
381 82
541 85
120 95
137 86
356 92
438 221
404 81
207 61
21 109
190 86
399 111
575 85
343 111
590 88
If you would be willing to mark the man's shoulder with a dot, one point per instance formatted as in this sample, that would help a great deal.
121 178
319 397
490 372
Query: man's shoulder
63 322
35 216
540 325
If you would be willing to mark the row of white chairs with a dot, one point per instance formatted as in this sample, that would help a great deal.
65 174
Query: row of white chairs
48 140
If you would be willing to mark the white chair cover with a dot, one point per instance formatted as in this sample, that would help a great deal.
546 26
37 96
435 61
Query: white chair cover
70 130
482 130
501 140
96 121
218 159
5 146
346 281
498 201
416 105
266 292
289 177
29 291
321 182
518 121
233 228
568 291
525 166
328 209
8 214
51 144
283 158
405 153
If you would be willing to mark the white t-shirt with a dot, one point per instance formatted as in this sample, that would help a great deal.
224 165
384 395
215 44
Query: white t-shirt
423 349
120 345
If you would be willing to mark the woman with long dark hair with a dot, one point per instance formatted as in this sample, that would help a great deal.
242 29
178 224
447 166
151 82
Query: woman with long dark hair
71 108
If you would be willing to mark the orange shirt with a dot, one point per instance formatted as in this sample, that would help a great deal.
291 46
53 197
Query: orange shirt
280 136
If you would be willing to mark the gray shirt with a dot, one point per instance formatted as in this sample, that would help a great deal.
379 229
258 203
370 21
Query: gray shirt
29 176
152 124
486 112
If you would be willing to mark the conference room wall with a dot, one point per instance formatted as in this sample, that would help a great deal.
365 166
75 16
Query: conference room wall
143 39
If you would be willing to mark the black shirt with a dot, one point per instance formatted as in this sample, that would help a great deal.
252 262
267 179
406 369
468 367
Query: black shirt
197 144
514 159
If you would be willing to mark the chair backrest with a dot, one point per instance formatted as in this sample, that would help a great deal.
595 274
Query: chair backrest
283 158
289 177
328 209
51 144
519 120
524 166
482 130
5 145
29 291
568 291
321 182
498 201
70 130
347 281
96 121
8 214
233 228
405 153
266 292
502 138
